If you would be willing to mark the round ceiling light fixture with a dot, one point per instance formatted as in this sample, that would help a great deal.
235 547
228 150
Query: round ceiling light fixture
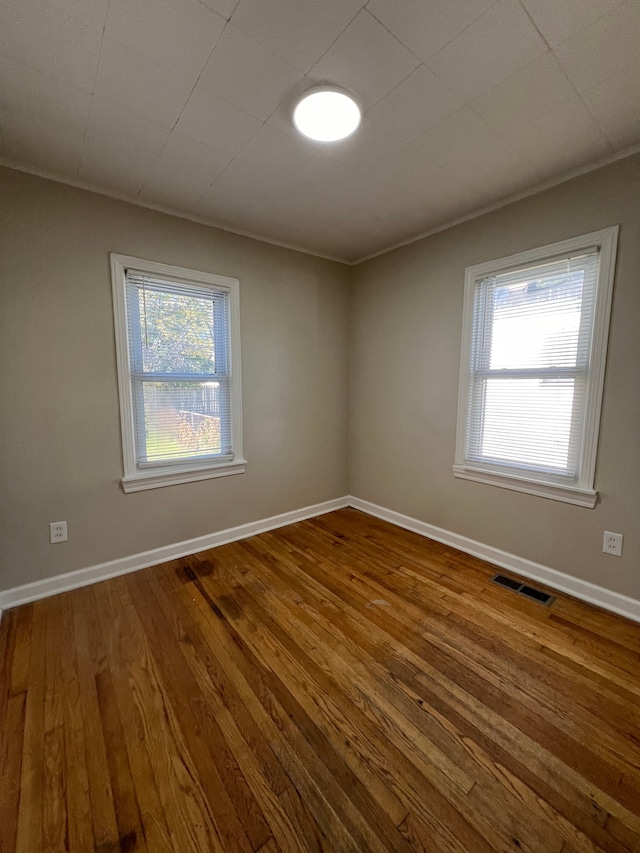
326 114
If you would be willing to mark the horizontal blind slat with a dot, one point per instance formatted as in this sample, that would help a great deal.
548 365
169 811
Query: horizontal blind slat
530 349
180 360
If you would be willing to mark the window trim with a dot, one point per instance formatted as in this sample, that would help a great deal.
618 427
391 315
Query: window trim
581 493
168 474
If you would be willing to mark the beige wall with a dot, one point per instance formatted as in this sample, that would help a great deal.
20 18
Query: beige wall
405 356
60 455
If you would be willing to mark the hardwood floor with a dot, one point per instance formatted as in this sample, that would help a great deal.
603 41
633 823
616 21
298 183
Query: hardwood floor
336 685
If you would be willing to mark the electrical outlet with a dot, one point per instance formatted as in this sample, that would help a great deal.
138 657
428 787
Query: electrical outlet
612 543
57 532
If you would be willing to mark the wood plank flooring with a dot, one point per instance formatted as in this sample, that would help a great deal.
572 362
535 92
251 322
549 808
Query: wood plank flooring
336 685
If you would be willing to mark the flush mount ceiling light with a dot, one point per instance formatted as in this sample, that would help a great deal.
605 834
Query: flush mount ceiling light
326 114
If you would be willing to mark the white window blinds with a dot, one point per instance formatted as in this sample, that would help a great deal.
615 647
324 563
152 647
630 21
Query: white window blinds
534 347
179 356
530 350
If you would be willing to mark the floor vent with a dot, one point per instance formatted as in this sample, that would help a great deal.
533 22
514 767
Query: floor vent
523 589
503 580
536 594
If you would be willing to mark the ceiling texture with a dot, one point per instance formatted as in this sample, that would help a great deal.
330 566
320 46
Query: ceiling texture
185 105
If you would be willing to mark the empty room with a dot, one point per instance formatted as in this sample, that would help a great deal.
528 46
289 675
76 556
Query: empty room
319 444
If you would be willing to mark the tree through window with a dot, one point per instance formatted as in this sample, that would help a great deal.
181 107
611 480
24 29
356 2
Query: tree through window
178 368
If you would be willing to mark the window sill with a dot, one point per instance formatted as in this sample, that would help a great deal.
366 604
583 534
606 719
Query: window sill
540 488
158 479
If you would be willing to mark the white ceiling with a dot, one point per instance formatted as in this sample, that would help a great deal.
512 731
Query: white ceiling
185 104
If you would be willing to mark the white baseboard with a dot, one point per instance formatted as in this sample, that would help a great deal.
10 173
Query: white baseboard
590 592
583 590
83 577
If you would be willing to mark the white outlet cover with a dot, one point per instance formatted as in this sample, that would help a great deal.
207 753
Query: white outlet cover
612 543
57 532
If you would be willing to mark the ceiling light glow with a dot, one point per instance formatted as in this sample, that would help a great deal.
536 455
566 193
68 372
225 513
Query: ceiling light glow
326 114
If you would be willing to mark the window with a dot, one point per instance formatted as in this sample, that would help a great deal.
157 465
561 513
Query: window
532 368
178 351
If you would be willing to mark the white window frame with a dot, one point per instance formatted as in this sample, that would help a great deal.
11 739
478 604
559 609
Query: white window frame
137 478
581 491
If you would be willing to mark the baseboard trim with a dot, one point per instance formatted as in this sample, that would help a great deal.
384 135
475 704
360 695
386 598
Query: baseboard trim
584 590
83 577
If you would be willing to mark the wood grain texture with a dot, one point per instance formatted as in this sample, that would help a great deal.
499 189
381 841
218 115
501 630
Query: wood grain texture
337 685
